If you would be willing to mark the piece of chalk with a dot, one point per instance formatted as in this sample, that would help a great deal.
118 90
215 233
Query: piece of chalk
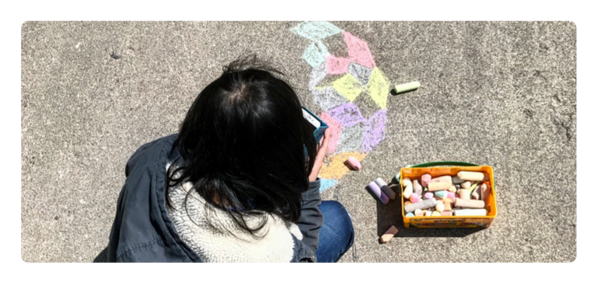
469 203
463 194
407 87
465 185
425 179
385 188
353 163
418 212
439 206
407 202
436 213
446 213
439 186
451 195
475 195
441 194
410 214
445 178
427 213
417 188
470 212
471 176
408 189
485 192
447 204
473 187
457 180
389 234
420 205
452 189
428 195
378 193
414 198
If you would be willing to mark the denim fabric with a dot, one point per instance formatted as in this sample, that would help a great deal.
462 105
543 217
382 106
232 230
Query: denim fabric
336 236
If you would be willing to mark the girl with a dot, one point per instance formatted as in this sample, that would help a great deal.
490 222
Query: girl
238 183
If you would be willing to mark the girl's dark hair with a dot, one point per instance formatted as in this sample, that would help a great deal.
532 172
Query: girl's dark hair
243 145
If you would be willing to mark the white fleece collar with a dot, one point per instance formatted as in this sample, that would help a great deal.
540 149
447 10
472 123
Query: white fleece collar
214 244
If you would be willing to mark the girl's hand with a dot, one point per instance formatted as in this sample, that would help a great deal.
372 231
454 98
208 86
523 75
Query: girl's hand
319 158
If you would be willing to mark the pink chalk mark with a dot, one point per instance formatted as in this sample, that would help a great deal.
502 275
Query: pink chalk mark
337 65
358 51
335 131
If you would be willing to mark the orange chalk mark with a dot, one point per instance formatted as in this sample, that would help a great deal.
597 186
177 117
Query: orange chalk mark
336 169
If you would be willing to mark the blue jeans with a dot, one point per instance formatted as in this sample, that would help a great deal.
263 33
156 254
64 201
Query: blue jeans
336 236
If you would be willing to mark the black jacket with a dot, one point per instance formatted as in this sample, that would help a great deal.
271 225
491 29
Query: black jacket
142 230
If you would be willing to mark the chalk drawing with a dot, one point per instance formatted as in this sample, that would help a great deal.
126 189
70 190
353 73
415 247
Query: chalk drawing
379 88
360 73
317 75
351 133
316 30
337 65
358 51
334 132
348 86
328 98
315 54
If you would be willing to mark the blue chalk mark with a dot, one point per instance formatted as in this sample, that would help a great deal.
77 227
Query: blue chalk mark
315 30
315 54
326 184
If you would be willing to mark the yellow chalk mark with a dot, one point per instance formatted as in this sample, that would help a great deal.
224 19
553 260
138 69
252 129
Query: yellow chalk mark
348 86
334 167
379 87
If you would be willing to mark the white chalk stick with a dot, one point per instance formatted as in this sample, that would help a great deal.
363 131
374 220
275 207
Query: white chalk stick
470 212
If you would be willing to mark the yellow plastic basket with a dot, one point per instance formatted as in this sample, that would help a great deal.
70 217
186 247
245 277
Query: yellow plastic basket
436 169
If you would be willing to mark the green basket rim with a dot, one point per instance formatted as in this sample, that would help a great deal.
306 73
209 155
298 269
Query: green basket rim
442 163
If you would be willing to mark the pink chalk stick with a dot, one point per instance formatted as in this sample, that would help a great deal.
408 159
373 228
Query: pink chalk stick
353 163
441 179
451 195
414 198
439 186
428 195
425 179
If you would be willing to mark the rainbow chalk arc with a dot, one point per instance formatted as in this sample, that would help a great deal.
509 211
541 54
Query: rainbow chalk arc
352 134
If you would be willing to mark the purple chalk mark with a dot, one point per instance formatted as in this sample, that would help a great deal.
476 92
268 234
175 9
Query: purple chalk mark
337 65
347 114
335 130
358 51
375 131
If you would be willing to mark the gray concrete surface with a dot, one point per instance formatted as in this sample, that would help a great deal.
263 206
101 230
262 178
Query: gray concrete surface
495 93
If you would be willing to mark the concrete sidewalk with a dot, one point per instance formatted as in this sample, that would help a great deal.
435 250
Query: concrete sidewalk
496 93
